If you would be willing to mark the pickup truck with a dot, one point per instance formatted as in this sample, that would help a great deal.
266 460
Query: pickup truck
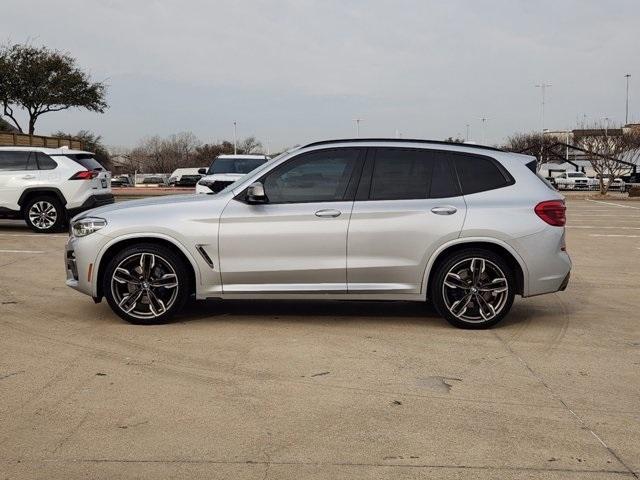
572 181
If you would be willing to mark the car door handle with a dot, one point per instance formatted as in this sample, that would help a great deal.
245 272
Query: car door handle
28 177
328 213
444 210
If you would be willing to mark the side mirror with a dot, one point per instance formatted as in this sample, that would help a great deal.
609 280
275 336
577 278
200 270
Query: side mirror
255 193
202 171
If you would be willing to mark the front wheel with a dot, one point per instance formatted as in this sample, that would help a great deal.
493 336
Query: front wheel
146 284
473 288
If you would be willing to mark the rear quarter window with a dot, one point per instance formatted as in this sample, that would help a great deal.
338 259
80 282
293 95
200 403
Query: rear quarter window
87 160
479 173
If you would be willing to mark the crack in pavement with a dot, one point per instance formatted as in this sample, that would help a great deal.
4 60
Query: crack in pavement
555 395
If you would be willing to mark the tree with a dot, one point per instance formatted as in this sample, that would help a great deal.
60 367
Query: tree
6 126
250 145
92 143
605 149
543 148
40 80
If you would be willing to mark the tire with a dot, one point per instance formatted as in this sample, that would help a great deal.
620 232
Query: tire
131 275
473 300
45 214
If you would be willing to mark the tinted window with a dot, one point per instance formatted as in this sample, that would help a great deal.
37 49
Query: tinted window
443 181
400 173
321 176
478 174
45 162
235 165
14 160
85 159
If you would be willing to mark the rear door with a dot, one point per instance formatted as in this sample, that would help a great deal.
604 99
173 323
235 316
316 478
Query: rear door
408 203
18 171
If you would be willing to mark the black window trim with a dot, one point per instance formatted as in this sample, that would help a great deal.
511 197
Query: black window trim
350 191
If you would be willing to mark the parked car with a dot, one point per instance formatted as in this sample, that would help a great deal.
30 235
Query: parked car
121 181
47 186
226 169
154 180
572 181
184 177
616 184
466 227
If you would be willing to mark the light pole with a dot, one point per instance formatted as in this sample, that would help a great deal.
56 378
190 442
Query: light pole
484 121
606 126
235 138
357 120
543 87
626 112
468 132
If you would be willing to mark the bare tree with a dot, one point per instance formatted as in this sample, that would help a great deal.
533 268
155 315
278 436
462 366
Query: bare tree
543 148
605 147
250 145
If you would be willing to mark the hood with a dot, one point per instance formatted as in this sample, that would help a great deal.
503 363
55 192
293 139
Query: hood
155 201
225 177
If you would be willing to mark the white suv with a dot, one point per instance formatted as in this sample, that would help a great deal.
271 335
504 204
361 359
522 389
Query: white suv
226 169
48 186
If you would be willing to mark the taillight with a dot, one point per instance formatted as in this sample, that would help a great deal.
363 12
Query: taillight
552 212
84 175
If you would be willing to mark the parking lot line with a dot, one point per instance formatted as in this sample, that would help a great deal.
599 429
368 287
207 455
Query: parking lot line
600 227
31 235
21 251
614 204
612 235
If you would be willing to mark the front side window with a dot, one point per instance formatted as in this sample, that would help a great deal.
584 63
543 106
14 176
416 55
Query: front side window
14 161
321 176
479 174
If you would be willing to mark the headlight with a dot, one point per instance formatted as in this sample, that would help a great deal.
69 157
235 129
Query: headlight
87 225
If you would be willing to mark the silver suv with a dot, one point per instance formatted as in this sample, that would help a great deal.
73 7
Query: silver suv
463 226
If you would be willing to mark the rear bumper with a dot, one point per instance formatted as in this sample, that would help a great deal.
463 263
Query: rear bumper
93 201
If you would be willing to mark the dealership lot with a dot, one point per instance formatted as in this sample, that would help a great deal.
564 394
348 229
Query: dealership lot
336 389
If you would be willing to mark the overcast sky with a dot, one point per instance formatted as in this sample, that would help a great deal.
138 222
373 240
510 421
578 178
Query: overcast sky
293 71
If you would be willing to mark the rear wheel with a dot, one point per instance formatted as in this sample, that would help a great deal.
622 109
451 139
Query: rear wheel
474 288
146 284
44 214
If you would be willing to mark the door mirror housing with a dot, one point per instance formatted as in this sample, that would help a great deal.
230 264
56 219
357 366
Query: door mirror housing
202 171
255 193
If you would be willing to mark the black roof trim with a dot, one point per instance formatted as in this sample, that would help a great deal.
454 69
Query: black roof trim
403 140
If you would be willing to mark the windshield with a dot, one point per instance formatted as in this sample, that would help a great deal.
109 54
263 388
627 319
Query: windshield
235 165
87 160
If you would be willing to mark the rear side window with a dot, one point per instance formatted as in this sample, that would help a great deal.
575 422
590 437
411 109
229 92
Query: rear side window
86 160
14 160
479 174
443 181
400 174
45 162
533 166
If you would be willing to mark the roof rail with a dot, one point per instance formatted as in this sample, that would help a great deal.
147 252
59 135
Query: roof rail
403 140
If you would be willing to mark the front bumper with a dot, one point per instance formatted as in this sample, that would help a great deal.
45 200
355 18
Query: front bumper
80 257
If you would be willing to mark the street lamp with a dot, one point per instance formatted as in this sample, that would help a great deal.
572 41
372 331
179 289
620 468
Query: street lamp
235 138
626 114
357 120
543 87
484 121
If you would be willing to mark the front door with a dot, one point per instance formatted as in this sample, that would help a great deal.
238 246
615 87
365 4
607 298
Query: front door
407 205
297 240
18 171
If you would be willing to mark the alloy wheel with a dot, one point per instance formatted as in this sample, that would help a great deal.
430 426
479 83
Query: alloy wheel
475 290
43 215
144 285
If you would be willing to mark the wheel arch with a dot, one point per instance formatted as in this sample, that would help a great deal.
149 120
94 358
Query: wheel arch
111 250
32 192
494 245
